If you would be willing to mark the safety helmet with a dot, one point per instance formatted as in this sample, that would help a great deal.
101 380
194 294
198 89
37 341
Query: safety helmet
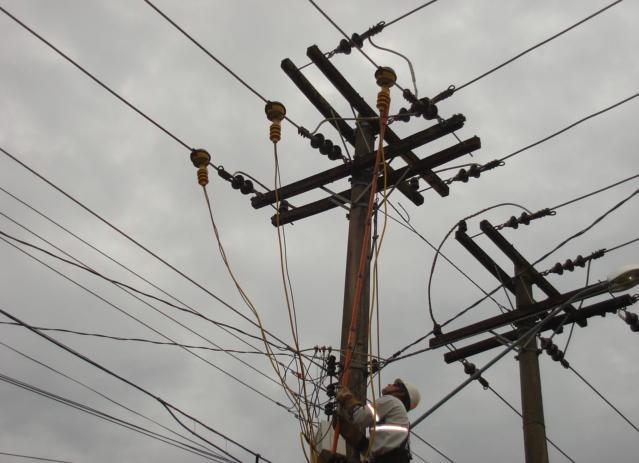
413 393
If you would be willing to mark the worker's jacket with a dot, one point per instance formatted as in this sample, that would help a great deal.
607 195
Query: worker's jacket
389 422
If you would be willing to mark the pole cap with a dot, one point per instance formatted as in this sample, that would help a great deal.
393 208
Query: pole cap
385 76
275 111
200 157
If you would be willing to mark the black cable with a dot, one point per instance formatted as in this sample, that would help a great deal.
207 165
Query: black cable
622 245
142 340
95 79
110 418
619 103
431 446
148 326
29 457
95 391
132 384
137 243
223 326
212 56
592 193
537 45
603 398
414 10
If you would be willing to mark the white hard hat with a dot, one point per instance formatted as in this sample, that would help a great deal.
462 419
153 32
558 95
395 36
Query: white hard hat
413 393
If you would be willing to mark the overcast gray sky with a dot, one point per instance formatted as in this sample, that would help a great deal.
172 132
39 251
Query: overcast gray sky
62 124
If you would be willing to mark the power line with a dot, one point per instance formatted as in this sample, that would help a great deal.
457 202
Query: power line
414 10
149 327
528 50
112 419
431 446
213 57
104 396
33 458
95 79
163 402
137 243
619 103
600 190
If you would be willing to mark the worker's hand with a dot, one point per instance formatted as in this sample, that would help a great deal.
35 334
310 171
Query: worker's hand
346 399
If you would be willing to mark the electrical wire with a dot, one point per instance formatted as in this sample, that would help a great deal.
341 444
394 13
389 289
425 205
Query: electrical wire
112 419
592 193
95 391
594 389
420 438
124 312
29 457
574 124
405 15
95 79
528 50
130 383
137 243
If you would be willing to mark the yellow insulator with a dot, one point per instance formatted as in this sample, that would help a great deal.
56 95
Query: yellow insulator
275 132
383 101
275 112
201 159
203 175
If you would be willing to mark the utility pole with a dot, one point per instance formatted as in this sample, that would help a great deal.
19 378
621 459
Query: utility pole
360 182
532 407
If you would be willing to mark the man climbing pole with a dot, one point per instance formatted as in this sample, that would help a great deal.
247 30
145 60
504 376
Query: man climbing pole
387 419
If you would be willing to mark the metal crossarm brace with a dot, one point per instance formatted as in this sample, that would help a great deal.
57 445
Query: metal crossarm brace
429 162
338 172
519 260
555 323
348 92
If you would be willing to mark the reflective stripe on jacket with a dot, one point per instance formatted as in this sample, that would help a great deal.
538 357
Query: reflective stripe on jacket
389 420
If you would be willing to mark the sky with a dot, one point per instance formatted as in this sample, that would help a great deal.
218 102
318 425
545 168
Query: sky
70 130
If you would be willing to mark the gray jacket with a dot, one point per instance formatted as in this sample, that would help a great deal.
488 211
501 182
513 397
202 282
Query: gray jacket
389 421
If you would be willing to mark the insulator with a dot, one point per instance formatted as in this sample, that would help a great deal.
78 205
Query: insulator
469 368
403 115
632 319
383 101
580 261
427 109
275 132
385 76
329 408
224 174
568 265
558 269
344 47
512 222
374 366
408 96
357 40
564 363
557 355
202 175
335 153
317 140
474 171
237 182
331 365
275 112
445 94
413 183
247 187
483 382
200 157
331 390
303 131
524 218
326 147
462 176
284 207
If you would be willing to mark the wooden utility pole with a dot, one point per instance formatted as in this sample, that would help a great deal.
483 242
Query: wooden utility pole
357 241
532 407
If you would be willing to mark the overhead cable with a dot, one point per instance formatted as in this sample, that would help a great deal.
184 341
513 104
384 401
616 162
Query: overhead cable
29 457
414 10
130 383
528 50
105 416
137 243
95 79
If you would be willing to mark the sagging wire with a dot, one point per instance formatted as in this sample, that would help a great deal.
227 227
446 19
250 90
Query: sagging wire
410 65
275 112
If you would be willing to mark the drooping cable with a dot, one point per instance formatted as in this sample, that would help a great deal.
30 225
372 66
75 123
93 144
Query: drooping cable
130 383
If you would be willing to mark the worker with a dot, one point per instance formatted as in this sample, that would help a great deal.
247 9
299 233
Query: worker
387 418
